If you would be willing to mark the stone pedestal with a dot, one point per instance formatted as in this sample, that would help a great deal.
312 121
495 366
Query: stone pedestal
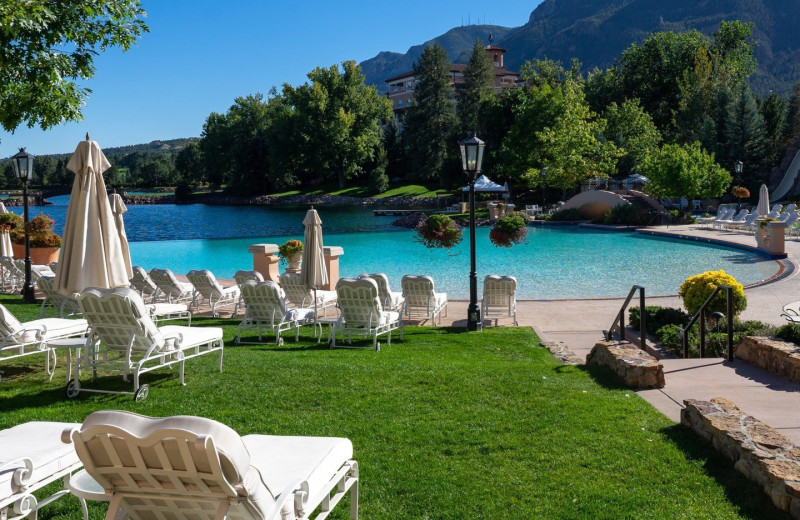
510 208
771 238
494 211
265 260
332 254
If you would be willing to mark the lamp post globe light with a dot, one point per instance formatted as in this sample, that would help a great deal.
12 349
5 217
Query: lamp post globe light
23 169
738 166
471 161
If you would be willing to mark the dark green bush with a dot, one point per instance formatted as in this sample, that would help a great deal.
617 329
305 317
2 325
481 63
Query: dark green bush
789 332
669 336
378 180
626 215
658 317
567 215
184 190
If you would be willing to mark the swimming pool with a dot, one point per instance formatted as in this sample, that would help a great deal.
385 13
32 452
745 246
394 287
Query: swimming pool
557 262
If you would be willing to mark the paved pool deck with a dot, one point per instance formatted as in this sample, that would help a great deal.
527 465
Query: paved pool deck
771 399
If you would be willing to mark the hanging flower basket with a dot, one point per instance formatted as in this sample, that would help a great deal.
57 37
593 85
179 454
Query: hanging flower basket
439 231
508 230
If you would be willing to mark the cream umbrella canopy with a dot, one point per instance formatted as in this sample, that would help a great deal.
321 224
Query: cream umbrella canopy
763 201
312 270
118 208
91 252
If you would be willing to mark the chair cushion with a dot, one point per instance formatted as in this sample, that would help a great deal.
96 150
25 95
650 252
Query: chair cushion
55 328
299 313
282 460
163 309
40 442
9 324
388 317
191 335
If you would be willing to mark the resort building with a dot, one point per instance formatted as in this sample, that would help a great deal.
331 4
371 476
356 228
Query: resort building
402 87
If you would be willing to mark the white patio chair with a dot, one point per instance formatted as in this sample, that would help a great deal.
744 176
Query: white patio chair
63 306
267 311
39 270
240 277
499 298
421 300
208 289
174 291
13 276
33 456
126 340
739 218
25 339
186 467
390 300
299 295
748 224
791 311
717 223
143 284
362 313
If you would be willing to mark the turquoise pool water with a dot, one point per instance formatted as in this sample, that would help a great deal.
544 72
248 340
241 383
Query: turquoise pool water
556 263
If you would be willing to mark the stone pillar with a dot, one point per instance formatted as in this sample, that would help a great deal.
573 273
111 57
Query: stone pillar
332 254
494 211
265 260
510 208
772 238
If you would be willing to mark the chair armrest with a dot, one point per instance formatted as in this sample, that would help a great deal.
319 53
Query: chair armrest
21 475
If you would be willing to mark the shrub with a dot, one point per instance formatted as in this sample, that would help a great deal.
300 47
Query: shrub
508 230
184 190
696 290
378 180
40 230
439 231
626 215
669 336
567 215
789 332
658 317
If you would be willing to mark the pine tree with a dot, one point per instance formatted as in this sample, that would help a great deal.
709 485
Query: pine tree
773 111
431 119
791 132
746 138
478 84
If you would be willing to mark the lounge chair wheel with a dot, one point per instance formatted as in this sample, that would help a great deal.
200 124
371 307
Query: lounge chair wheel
73 388
280 342
330 344
378 346
236 340
142 393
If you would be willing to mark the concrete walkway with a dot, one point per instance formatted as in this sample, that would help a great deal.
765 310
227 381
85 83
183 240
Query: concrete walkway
579 324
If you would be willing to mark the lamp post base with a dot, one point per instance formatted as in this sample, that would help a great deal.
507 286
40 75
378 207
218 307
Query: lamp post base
474 321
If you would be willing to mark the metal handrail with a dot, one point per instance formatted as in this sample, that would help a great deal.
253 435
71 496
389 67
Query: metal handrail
620 319
701 315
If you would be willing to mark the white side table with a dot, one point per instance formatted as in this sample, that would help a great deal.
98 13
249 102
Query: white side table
69 344
331 323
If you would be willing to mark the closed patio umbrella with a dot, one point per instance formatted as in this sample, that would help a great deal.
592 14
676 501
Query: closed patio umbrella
91 252
312 270
3 208
118 208
5 244
763 201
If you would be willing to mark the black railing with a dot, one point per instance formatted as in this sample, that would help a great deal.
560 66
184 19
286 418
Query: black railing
701 315
619 321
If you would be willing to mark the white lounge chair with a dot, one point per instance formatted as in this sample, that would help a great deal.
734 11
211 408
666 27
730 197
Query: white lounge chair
32 337
362 312
63 306
267 311
174 291
421 300
748 224
31 457
391 300
241 277
186 467
499 298
739 218
125 339
726 215
208 289
13 276
143 284
299 295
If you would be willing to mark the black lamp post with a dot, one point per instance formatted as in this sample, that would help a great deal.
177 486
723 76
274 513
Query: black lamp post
471 161
738 166
23 168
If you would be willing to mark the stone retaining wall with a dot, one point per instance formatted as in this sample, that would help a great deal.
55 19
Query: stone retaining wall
636 367
777 357
757 450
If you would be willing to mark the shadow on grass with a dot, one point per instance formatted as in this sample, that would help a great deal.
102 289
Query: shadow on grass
603 376
48 397
11 373
738 489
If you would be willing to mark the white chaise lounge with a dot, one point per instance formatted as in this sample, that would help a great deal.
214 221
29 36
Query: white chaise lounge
125 339
196 468
362 313
301 296
267 311
172 290
208 289
31 457
24 339
421 300
499 298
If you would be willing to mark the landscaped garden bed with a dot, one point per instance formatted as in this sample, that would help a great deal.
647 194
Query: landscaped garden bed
445 424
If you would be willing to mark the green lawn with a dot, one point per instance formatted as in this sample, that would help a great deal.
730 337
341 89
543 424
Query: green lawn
408 190
445 425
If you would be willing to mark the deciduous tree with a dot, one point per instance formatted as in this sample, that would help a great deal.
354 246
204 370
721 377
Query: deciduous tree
685 171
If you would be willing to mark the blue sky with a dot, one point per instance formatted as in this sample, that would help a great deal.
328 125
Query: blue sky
201 54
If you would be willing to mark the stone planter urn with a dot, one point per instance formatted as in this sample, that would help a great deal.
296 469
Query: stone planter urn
39 255
294 263
494 211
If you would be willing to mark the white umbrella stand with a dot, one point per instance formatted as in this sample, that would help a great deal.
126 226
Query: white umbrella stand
91 252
